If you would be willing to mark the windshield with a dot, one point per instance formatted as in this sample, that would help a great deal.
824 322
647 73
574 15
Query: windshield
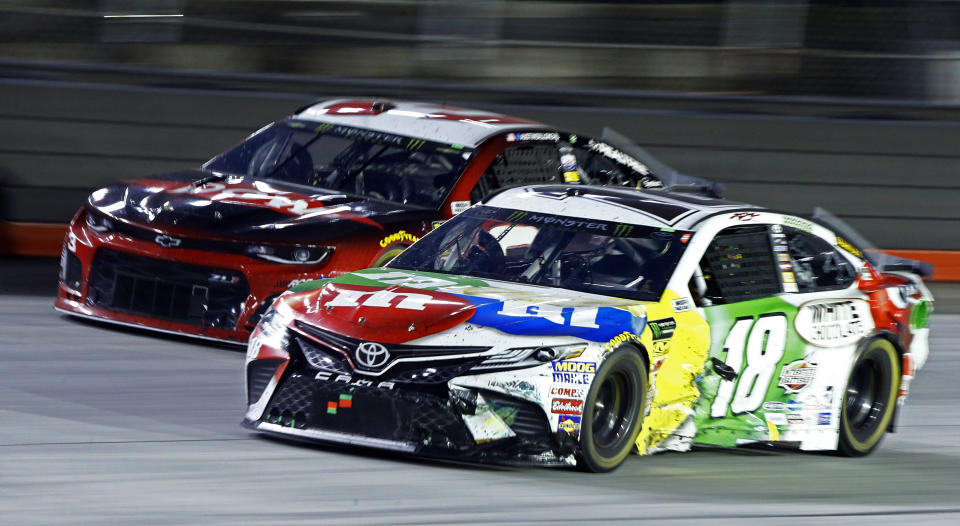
350 160
600 257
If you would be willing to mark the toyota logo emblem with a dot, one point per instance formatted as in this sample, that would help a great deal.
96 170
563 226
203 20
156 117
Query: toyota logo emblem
372 355
166 241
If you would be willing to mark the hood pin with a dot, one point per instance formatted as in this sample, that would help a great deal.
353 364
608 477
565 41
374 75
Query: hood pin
361 319
411 328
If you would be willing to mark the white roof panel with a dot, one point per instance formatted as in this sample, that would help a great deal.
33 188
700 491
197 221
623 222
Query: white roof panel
433 122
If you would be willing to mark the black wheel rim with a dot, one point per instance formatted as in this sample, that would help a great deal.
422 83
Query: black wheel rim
613 411
867 395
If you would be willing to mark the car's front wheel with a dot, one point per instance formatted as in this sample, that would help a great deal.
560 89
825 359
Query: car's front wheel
613 411
869 399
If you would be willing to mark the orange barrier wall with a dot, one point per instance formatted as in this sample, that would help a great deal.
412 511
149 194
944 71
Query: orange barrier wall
46 239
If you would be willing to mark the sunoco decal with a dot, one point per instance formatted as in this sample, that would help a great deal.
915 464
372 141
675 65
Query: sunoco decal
569 424
832 323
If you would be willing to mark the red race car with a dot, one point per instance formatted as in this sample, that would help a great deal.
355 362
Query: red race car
338 186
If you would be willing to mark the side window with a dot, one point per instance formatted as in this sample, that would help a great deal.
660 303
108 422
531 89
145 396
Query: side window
519 165
738 265
816 264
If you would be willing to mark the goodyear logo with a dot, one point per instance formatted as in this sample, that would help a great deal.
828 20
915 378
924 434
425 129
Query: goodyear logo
399 236
574 367
622 230
623 337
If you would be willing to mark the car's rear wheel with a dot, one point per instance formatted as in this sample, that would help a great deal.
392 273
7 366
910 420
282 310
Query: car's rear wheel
869 399
613 411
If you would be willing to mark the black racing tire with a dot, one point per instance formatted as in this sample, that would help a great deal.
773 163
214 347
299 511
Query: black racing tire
613 411
387 255
869 399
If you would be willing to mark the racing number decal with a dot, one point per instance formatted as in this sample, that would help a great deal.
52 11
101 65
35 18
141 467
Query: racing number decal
761 344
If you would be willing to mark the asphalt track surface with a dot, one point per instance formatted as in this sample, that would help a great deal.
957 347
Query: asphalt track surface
104 426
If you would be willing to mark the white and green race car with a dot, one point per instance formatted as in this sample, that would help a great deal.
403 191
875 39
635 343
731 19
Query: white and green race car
575 325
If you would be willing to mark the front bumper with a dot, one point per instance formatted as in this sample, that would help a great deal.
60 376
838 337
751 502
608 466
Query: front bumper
426 420
212 295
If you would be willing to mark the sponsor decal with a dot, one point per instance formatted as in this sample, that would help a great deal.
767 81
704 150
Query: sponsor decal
347 380
790 287
568 372
779 419
798 223
567 366
331 408
617 156
795 419
684 238
776 229
832 323
378 298
796 376
783 258
622 230
569 392
533 136
516 215
662 329
598 324
623 337
569 424
399 236
788 277
824 419
844 244
458 206
744 216
681 305
564 406
789 405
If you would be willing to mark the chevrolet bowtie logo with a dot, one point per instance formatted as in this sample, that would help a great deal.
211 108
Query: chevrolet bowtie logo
166 241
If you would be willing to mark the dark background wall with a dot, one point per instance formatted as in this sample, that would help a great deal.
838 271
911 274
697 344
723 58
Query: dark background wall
890 173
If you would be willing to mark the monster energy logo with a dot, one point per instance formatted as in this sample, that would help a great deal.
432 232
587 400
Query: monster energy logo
622 230
324 127
415 144
516 215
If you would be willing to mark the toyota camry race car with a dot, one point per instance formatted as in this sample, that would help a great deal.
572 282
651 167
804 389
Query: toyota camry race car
561 325
338 186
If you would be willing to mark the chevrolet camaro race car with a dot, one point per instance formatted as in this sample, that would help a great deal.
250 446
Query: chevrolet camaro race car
338 186
572 325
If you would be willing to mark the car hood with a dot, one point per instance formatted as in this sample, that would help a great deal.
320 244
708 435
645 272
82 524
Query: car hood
397 306
246 209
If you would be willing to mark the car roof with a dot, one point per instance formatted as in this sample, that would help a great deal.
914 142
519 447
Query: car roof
625 205
433 122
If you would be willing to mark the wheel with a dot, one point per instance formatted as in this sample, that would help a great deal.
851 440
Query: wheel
613 411
387 255
869 399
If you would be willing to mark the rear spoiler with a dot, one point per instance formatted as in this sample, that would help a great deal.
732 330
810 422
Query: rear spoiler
673 181
879 259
